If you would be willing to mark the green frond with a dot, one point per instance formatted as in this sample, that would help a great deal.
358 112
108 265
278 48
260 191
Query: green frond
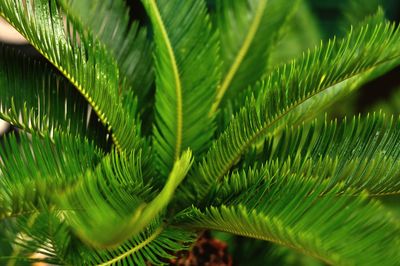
47 235
218 94
186 78
39 233
302 37
298 91
32 167
361 137
293 210
156 245
115 199
35 99
248 31
109 20
361 154
80 58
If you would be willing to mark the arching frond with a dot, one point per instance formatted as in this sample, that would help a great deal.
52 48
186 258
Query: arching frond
186 61
293 210
35 99
300 33
248 31
42 234
297 91
109 20
361 137
46 234
362 154
272 173
80 58
324 99
114 199
33 167
156 245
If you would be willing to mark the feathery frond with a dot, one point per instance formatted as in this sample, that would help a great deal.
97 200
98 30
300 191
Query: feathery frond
365 150
290 210
35 99
248 31
115 199
155 245
109 21
33 167
186 77
297 91
47 235
80 58
41 233
73 192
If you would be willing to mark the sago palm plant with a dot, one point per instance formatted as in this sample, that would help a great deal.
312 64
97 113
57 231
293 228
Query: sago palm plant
135 139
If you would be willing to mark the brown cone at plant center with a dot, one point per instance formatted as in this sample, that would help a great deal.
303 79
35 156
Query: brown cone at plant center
207 251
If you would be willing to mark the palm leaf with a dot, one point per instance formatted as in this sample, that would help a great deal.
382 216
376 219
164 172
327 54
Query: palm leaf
33 166
186 77
298 91
49 236
110 22
156 245
300 33
115 199
361 154
39 233
36 99
249 30
80 58
293 210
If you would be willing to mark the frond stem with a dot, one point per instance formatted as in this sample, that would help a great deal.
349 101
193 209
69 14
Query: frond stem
257 134
153 236
79 87
178 85
240 56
